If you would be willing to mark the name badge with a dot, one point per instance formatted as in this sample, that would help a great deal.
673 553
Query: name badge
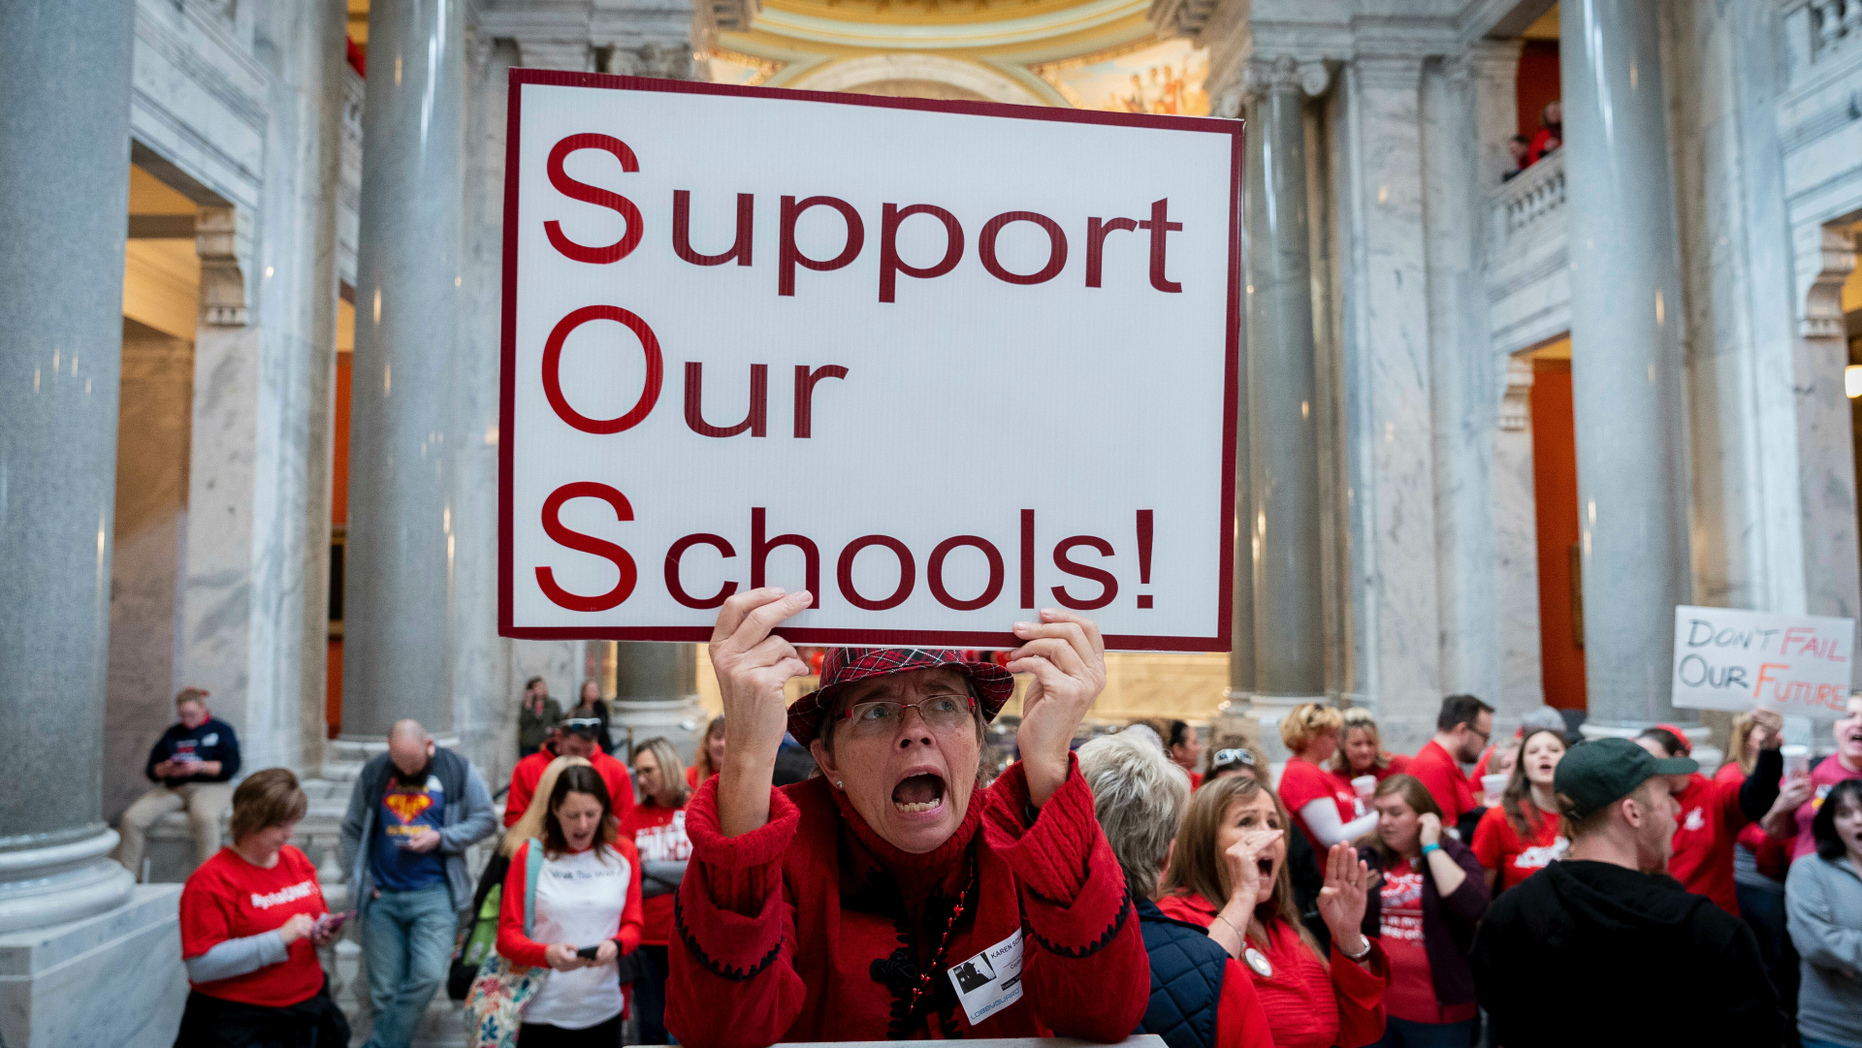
991 980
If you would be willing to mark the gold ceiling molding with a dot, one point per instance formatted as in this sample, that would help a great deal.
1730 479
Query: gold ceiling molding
759 69
921 12
1048 21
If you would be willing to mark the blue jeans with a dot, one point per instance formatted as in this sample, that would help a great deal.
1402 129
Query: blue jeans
1401 1033
407 944
1812 1043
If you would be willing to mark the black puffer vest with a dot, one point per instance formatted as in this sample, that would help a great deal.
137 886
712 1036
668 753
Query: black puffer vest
1186 979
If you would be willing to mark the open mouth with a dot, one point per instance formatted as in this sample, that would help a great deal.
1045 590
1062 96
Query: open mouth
1266 866
919 794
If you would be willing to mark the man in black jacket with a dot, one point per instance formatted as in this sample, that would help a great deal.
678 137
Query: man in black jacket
1606 925
192 766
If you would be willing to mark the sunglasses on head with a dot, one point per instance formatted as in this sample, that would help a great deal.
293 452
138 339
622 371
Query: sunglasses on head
1230 758
583 725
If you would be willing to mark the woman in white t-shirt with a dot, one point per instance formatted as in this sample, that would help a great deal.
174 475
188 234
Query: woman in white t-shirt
587 896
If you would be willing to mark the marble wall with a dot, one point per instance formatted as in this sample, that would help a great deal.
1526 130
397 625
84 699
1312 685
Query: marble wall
151 518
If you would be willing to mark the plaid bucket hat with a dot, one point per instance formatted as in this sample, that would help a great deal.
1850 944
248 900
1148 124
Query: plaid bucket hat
843 666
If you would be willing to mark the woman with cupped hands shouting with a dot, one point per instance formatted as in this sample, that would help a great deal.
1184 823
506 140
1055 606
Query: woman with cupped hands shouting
888 898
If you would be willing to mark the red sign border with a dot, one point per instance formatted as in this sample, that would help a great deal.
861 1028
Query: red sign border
507 400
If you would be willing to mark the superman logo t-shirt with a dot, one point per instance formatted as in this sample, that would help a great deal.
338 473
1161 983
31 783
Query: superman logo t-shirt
404 813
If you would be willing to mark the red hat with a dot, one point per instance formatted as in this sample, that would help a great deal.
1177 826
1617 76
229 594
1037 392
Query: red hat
845 665
1687 747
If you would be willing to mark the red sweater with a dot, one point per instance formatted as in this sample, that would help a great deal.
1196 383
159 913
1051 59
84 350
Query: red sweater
519 949
1709 822
529 772
811 928
1307 1006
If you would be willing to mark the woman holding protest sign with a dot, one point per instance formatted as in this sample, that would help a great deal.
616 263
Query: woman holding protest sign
892 897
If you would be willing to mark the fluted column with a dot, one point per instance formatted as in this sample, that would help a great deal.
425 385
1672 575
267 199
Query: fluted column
397 659
64 190
1283 436
1628 384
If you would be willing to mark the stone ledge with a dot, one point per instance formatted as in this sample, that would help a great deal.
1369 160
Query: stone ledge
114 978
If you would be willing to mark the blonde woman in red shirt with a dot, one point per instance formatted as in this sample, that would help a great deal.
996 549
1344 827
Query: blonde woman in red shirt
1228 874
1324 809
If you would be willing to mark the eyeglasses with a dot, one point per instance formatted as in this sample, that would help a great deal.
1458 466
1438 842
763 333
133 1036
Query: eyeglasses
1229 758
941 713
1485 735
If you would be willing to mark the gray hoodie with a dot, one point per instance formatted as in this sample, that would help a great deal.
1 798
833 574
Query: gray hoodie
1823 910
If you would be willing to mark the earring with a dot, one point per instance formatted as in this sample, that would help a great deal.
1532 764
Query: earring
839 785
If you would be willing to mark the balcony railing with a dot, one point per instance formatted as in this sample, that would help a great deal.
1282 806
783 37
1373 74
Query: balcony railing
1835 25
1533 197
1528 261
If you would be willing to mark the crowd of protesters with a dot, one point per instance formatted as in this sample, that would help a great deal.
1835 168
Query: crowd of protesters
843 868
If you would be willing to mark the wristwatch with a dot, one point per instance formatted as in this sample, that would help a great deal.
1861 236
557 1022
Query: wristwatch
1361 954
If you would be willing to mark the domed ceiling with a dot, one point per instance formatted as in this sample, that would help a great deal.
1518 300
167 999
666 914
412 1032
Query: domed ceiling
1098 54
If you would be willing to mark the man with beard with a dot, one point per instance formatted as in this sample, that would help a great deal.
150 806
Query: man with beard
1605 924
1461 733
412 815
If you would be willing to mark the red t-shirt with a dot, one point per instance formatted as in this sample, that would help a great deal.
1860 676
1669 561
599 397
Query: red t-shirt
529 772
229 898
1828 772
659 835
1411 993
1303 782
1398 765
1498 845
1710 819
1442 776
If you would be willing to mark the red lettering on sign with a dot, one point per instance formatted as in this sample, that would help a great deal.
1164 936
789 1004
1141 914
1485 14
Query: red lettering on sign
677 553
756 421
843 573
1073 567
1056 248
588 194
934 573
575 540
1096 230
682 230
805 395
552 369
890 265
788 255
759 552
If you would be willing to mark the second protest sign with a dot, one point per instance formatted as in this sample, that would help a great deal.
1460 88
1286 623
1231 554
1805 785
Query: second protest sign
940 363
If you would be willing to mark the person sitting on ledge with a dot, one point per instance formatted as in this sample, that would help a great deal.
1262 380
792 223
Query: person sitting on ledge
893 897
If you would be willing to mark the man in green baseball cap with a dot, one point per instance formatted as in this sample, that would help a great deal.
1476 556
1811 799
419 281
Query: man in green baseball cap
1607 921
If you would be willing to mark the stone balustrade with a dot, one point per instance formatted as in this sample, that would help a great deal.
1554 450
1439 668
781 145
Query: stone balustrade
1837 24
1527 262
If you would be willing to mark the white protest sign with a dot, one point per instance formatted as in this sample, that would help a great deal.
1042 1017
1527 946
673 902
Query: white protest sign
940 363
1727 659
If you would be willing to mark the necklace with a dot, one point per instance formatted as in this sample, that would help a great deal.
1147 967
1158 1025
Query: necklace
924 983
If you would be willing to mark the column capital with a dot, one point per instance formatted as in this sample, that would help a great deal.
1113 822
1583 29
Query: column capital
540 52
1286 73
1388 71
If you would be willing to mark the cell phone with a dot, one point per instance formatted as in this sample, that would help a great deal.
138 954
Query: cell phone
588 953
329 922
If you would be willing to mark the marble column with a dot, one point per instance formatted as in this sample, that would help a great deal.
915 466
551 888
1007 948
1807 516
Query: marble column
656 693
64 190
1283 438
1628 384
397 659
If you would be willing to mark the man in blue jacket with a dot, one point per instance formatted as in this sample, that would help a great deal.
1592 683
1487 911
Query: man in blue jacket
412 814
192 766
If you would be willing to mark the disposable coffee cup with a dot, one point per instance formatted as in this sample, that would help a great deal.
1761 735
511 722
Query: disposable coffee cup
1493 785
1796 761
1365 785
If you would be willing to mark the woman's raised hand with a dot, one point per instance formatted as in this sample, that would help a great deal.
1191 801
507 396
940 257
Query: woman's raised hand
753 665
1429 828
1068 660
1342 900
1243 862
